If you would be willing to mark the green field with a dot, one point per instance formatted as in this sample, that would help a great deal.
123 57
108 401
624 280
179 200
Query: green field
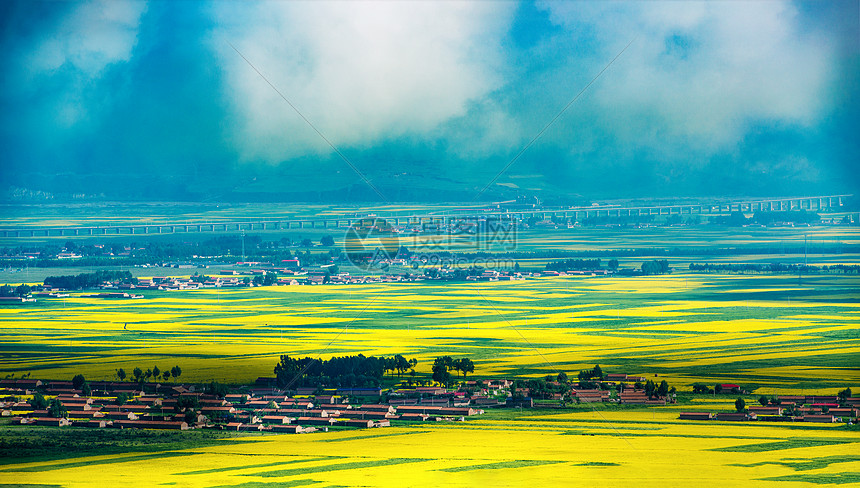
771 331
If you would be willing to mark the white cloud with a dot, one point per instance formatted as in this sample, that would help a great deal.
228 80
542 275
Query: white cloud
699 73
94 35
361 72
63 66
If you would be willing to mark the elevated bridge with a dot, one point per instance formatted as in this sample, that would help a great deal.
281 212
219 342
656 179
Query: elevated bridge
816 203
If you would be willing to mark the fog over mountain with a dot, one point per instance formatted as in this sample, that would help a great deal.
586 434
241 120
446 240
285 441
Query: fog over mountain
430 101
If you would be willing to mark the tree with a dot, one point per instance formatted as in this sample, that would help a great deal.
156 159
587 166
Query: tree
120 374
464 365
763 400
740 404
307 243
718 388
598 373
663 389
166 375
401 364
22 290
440 370
613 264
78 381
185 403
217 389
175 371
121 398
650 388
327 241
86 390
156 372
700 388
38 401
56 409
562 377
137 374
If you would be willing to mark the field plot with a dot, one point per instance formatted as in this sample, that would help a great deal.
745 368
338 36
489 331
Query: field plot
778 333
539 448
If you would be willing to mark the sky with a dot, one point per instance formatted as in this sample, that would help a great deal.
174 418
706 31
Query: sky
428 100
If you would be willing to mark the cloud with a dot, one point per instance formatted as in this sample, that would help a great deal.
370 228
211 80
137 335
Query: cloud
61 67
362 73
699 73
94 35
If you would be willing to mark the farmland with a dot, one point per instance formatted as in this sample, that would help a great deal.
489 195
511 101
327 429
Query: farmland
776 332
773 334
542 448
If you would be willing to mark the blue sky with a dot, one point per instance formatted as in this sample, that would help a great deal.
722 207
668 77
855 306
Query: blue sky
710 98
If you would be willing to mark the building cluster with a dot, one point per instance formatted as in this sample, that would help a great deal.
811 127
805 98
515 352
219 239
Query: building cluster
790 408
260 409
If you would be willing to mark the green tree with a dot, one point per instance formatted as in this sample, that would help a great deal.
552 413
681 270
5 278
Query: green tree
440 370
22 290
121 398
663 389
464 365
120 374
156 372
613 264
740 404
562 377
137 374
401 364
78 381
187 402
38 401
327 241
86 390
56 409
217 389
175 371
763 400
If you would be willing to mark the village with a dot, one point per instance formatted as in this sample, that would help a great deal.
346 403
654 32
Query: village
289 273
263 407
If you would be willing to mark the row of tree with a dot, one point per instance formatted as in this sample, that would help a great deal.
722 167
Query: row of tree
576 264
443 366
21 290
774 268
155 373
345 371
88 280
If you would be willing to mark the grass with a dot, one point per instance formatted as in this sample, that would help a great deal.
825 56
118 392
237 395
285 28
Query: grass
336 467
500 465
35 444
782 445
820 479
